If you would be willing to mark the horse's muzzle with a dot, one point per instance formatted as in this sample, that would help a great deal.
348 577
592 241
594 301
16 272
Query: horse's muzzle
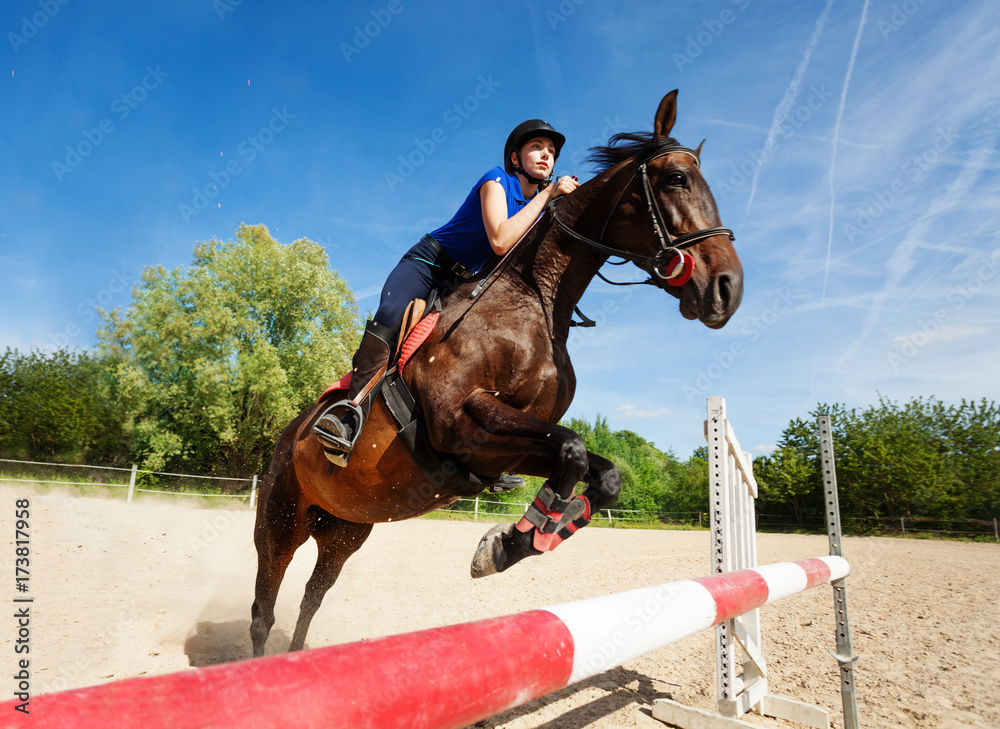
714 305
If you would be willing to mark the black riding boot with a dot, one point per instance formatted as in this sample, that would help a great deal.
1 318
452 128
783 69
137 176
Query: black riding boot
340 424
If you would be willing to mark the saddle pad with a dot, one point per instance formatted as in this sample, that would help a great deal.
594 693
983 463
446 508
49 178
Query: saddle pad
340 385
418 335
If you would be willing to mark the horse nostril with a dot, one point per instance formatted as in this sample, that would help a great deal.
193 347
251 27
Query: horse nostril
729 291
725 290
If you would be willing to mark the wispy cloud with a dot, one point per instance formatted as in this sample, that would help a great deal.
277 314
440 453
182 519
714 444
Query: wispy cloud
836 138
634 412
789 134
947 334
901 260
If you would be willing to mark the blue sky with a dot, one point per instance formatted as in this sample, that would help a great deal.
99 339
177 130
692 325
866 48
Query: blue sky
852 146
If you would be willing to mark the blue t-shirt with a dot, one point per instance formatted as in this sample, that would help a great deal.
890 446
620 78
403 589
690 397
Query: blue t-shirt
464 236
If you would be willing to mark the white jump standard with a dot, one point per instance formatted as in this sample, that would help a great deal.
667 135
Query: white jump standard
732 489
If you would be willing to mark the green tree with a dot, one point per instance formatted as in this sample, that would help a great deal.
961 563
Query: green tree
58 406
786 476
970 435
689 491
215 359
649 475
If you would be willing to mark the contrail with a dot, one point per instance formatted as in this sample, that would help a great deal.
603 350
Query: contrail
785 107
836 137
833 168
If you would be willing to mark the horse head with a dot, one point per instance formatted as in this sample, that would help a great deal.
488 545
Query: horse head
666 221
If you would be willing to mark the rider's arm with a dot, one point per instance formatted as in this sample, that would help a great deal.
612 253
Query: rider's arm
504 232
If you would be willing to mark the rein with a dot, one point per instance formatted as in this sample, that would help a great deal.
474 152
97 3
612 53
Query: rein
675 270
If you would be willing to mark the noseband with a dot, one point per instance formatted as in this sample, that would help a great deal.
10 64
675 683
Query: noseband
670 264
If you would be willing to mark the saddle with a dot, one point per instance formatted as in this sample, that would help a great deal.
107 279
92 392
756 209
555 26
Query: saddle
444 471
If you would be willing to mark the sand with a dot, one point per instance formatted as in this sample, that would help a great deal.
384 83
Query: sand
160 585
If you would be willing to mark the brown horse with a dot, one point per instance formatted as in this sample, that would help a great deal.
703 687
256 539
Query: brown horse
494 377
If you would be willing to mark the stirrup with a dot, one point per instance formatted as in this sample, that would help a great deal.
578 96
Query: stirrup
507 482
338 446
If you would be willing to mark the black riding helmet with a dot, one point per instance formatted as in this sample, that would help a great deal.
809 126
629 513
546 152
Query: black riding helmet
522 133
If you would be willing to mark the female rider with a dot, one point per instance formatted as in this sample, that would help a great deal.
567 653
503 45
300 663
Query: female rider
498 211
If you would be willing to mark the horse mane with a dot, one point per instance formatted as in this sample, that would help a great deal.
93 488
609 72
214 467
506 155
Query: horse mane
626 146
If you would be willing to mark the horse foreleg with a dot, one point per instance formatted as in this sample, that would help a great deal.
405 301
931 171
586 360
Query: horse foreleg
337 540
560 454
604 482
506 544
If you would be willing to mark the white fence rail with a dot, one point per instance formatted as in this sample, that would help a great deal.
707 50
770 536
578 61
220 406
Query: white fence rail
482 507
131 485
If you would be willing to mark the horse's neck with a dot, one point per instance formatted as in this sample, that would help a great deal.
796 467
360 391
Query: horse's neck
560 268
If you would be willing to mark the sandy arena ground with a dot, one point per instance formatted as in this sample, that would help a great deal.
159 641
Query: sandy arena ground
157 586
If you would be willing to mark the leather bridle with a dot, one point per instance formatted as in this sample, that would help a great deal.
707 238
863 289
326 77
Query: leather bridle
669 264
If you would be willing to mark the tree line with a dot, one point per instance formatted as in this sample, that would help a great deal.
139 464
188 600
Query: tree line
920 458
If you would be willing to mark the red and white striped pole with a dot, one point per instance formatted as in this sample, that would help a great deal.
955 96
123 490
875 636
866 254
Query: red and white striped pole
432 679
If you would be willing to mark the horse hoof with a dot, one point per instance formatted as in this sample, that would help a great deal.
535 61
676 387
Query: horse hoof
490 556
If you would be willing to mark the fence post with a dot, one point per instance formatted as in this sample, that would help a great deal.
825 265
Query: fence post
253 491
902 523
475 511
131 484
996 532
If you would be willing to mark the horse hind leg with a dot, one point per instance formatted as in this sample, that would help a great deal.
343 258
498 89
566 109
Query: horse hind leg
336 540
272 561
278 532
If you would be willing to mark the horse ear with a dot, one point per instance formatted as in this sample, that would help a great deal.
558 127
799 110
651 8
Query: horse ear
698 151
666 114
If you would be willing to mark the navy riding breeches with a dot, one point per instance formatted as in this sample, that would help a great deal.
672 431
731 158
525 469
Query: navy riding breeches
418 272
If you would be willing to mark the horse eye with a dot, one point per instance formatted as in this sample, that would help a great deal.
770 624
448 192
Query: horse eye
676 179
